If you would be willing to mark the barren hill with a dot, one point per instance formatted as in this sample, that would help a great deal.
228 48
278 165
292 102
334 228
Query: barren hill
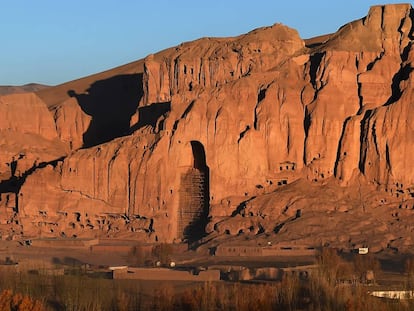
256 138
12 89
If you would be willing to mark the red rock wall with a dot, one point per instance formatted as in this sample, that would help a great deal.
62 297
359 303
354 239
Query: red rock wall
27 134
266 110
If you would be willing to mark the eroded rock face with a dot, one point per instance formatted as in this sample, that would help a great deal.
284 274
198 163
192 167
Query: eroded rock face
249 131
71 123
26 113
27 134
212 62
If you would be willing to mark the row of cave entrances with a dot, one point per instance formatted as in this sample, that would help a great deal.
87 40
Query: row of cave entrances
194 197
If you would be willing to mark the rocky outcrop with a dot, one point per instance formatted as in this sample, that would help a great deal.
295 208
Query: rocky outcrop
26 113
71 123
384 95
27 135
265 131
212 62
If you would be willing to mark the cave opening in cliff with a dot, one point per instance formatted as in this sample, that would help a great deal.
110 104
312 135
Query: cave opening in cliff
194 196
199 156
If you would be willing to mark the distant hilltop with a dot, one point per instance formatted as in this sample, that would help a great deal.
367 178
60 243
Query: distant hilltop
14 89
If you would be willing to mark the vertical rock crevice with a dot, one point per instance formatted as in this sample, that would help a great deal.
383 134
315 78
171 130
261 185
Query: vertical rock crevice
364 140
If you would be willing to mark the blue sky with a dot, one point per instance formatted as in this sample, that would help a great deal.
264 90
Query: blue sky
54 41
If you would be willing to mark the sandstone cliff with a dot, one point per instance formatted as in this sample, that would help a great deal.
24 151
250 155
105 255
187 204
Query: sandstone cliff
264 135
27 135
211 62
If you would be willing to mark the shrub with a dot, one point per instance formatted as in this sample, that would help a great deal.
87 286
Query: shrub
329 262
18 302
162 252
363 264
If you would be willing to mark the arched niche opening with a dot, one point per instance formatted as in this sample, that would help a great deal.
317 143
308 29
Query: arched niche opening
199 155
194 196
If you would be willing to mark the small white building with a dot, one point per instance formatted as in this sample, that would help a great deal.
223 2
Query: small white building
363 250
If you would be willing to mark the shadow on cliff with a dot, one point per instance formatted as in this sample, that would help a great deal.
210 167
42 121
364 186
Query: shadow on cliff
15 183
111 104
151 116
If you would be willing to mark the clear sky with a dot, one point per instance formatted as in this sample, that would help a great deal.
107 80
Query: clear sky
54 41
